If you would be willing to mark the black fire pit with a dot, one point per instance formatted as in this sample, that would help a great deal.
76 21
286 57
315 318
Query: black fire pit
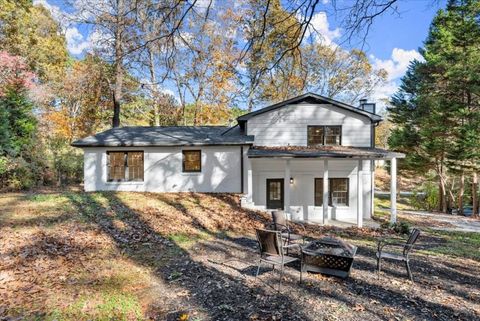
328 256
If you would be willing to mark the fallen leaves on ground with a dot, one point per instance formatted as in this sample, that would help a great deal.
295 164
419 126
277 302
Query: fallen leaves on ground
127 256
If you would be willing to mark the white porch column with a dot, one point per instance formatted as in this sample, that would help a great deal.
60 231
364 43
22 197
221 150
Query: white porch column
372 187
249 181
325 191
393 190
286 187
360 193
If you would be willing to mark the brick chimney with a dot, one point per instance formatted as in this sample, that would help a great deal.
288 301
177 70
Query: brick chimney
366 106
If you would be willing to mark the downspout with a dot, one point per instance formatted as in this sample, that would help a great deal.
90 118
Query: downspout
372 170
241 170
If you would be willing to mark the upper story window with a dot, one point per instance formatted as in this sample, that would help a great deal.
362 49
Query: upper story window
192 161
324 135
125 166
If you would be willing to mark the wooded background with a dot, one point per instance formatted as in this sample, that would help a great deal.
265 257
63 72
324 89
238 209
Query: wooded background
221 61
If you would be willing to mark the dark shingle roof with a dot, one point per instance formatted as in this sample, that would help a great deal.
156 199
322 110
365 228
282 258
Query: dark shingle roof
166 136
322 152
314 98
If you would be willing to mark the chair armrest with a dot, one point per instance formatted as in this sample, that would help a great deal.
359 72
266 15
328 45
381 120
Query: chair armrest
391 240
388 241
294 245
394 244
304 231
381 245
271 226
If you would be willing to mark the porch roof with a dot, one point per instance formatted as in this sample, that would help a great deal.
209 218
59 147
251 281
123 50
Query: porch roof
322 152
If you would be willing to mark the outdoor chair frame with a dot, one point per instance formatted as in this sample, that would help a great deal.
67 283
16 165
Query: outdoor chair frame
272 252
280 223
403 257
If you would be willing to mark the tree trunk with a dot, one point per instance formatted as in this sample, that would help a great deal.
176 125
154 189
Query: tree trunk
442 197
195 114
118 64
442 191
461 191
153 80
475 193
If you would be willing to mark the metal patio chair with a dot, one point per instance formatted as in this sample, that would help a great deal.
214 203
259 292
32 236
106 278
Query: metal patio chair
272 251
403 257
280 223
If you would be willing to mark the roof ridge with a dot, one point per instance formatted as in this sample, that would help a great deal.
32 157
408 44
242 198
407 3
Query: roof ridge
179 126
373 117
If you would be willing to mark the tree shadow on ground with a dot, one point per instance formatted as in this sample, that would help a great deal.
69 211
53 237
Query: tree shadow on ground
415 304
38 221
427 271
216 295
213 279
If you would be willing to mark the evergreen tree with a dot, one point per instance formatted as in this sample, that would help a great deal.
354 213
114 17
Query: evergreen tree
421 127
453 47
21 124
436 109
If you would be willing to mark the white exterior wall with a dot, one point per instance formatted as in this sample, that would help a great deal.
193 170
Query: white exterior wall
304 172
220 173
288 125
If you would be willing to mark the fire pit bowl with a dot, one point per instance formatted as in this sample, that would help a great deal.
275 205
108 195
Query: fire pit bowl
328 256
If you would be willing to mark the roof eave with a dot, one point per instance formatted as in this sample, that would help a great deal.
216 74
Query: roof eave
373 157
87 145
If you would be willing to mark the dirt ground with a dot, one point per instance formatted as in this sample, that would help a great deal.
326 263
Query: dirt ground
69 255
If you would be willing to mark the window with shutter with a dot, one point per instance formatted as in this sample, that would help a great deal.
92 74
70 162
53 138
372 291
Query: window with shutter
135 166
125 166
116 166
338 194
339 191
192 161
318 191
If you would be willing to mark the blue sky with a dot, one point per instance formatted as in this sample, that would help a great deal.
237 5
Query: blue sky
392 43
406 30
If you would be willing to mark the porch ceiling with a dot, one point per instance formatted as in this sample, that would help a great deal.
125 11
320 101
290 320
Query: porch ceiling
322 152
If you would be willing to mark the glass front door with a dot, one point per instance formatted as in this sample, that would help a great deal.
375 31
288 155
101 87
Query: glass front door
275 193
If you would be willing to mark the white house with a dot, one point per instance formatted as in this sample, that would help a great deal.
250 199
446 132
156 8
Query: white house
291 155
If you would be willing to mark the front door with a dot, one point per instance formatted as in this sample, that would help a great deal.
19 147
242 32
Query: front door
275 193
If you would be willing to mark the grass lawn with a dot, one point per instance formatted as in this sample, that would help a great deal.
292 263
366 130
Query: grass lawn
70 255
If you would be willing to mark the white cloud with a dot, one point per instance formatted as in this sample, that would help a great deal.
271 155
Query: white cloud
87 9
384 92
396 66
169 92
203 5
76 42
398 62
55 11
321 29
100 40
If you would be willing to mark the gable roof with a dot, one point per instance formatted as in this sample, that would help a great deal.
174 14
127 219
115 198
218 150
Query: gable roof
310 97
165 136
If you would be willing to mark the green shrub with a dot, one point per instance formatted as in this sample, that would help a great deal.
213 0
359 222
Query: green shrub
425 197
398 227
66 162
17 173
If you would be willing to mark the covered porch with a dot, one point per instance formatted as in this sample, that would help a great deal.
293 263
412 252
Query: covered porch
298 179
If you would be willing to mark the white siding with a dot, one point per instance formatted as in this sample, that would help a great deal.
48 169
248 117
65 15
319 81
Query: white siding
304 173
163 170
288 125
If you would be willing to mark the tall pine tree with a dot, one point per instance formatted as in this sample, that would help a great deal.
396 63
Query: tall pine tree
436 109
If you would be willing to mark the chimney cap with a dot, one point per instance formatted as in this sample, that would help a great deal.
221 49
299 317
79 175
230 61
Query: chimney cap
363 101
